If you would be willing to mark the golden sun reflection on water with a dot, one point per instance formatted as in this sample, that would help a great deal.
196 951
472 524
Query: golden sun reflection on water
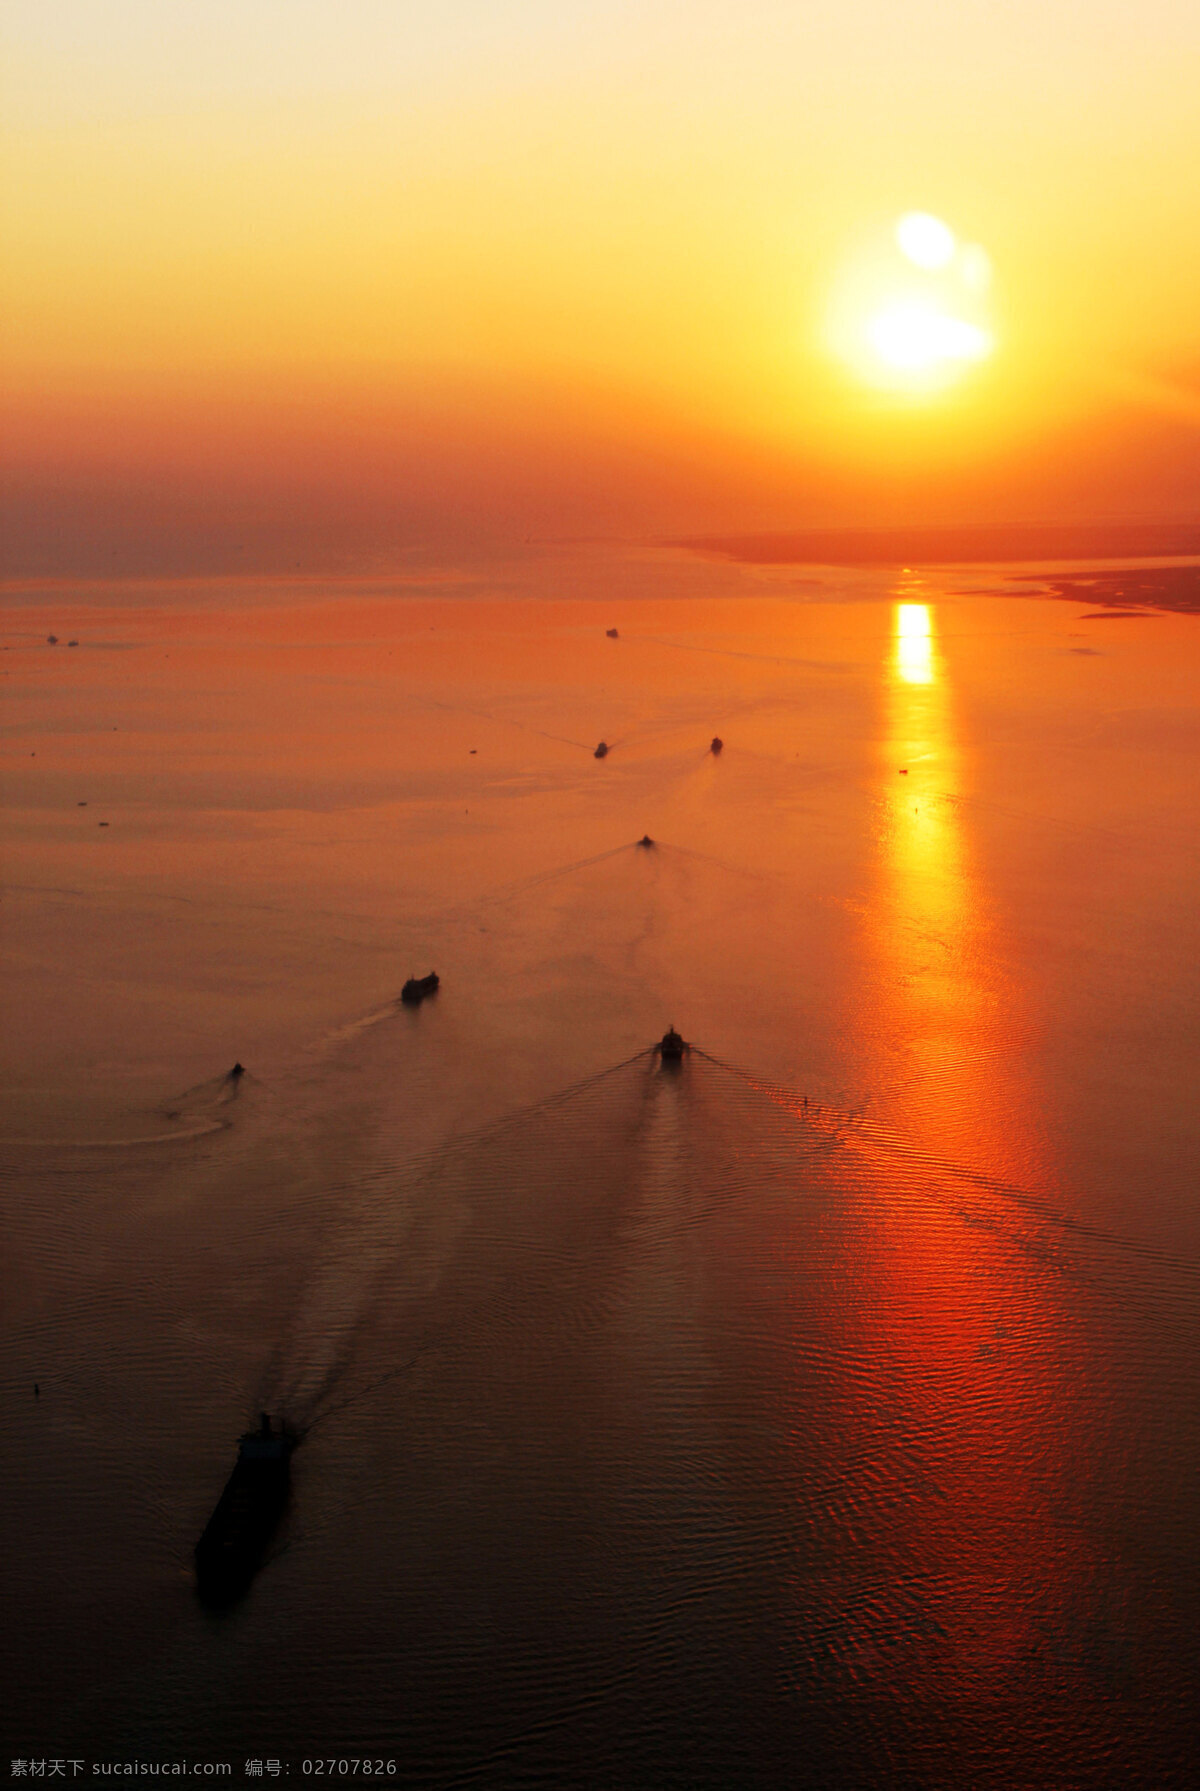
914 643
958 1277
937 995
938 998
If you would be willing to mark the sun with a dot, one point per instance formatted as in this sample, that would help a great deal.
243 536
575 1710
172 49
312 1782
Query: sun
915 337
911 313
925 240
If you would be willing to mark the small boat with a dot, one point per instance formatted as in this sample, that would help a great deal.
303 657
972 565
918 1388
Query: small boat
645 840
231 1550
418 987
612 634
717 744
601 751
671 1047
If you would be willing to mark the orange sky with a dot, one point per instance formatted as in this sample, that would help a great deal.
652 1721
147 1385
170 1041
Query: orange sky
294 283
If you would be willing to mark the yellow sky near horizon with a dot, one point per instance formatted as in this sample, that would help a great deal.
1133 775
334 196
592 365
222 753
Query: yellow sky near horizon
293 229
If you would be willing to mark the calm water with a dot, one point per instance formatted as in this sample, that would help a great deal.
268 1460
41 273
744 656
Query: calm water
823 1413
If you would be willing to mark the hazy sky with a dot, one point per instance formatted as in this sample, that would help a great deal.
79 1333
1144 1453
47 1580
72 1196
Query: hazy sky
294 282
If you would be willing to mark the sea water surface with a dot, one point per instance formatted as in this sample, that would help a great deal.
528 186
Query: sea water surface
821 1413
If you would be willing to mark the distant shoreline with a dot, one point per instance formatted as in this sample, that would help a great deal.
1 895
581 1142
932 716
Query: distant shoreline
955 546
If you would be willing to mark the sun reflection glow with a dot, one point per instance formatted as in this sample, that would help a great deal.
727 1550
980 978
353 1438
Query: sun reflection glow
978 1353
943 990
914 643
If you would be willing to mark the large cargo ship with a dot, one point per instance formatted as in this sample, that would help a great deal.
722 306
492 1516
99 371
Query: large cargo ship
235 1539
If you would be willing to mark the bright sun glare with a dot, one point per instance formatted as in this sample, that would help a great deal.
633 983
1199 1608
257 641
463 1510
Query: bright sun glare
914 643
912 314
925 240
915 337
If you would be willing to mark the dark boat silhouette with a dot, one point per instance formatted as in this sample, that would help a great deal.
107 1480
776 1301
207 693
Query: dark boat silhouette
717 744
612 634
671 1047
645 840
235 1539
418 987
601 751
